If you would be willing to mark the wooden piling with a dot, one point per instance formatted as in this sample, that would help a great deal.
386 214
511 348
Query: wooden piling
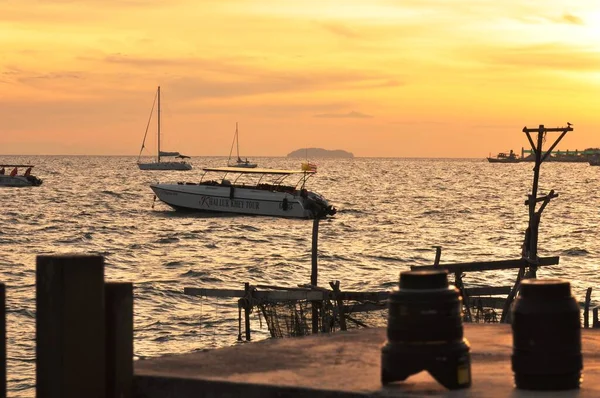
335 286
314 274
70 327
3 340
586 308
247 308
595 322
119 339
438 255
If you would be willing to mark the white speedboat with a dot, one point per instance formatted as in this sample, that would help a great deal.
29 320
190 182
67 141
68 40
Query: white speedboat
161 164
14 179
251 191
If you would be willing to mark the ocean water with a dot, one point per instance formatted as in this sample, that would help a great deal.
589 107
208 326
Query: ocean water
391 214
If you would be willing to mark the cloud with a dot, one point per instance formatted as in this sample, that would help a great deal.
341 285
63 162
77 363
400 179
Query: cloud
243 76
571 19
349 115
340 30
550 56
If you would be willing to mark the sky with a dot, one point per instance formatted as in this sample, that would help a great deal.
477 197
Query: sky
378 78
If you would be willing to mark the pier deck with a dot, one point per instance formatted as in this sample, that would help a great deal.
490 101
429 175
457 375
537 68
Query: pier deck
343 364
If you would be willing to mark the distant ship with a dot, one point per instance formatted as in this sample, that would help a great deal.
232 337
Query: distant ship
504 157
567 156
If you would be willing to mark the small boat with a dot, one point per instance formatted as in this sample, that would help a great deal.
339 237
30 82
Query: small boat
264 194
503 157
160 164
239 162
14 179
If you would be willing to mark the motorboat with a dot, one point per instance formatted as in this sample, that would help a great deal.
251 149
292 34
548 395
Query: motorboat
504 157
14 179
250 191
160 163
238 162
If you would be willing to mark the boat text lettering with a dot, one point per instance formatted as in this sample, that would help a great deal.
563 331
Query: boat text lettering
208 201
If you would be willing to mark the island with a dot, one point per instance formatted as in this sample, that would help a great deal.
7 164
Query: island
319 153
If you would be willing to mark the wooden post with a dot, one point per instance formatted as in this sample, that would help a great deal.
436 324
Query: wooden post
438 254
70 327
461 287
119 339
530 245
240 320
586 308
247 308
315 243
595 322
314 274
340 304
3 340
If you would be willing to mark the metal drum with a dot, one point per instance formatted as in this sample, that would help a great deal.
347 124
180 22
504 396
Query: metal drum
546 336
425 331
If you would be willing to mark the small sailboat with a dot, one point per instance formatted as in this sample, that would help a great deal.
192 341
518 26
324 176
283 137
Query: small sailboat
239 162
160 164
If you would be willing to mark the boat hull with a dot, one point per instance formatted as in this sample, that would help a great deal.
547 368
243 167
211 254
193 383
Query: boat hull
244 165
180 166
503 160
242 200
19 181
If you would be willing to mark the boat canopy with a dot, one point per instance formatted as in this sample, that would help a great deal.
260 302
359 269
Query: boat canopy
246 170
183 157
164 153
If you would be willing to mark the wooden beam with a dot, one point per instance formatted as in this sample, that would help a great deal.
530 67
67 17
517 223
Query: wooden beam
195 291
488 265
364 296
547 129
351 309
278 295
473 292
488 302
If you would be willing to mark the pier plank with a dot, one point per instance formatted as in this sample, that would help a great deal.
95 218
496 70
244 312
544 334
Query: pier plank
488 265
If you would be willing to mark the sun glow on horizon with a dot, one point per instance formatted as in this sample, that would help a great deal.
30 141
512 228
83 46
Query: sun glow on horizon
352 73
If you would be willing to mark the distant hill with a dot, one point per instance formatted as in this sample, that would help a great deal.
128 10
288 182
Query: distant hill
319 153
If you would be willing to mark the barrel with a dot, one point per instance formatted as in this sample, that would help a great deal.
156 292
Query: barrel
425 331
546 330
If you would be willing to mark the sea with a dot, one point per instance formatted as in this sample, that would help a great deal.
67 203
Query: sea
391 215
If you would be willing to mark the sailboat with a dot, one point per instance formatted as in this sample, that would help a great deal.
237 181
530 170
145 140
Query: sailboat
239 162
160 164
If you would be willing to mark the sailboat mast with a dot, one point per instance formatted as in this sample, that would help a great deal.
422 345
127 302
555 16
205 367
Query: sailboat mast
237 140
158 124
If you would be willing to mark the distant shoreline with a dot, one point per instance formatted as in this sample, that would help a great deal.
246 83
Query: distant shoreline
320 153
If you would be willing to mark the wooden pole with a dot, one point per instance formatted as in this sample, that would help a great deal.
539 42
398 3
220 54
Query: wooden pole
119 339
340 304
315 243
438 254
70 327
586 308
3 340
314 274
247 308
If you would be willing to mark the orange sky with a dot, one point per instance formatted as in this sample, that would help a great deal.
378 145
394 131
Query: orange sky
394 78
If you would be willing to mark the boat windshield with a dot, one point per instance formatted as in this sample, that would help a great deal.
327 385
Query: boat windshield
256 177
